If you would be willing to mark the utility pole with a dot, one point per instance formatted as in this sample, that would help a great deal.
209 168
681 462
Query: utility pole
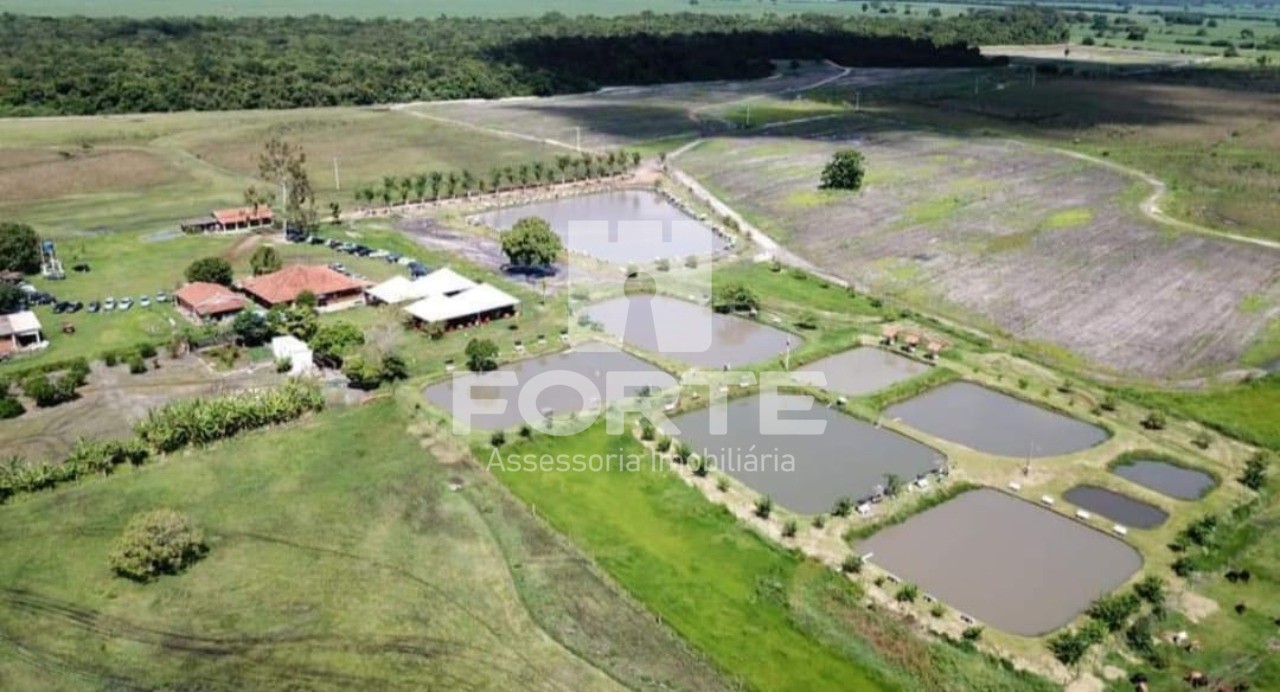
337 181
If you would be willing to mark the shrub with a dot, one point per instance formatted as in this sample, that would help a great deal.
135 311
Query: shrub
647 431
157 543
684 451
1151 589
147 350
938 610
807 320
907 593
722 484
1202 440
843 507
1154 421
972 634
482 355
664 265
394 368
1109 403
361 373
775 266
790 528
110 359
701 467
819 521
137 366
764 506
852 564
283 365
49 391
1114 611
691 261
1068 647
844 172
1255 471
10 408
214 270
664 444
526 431
202 421
498 438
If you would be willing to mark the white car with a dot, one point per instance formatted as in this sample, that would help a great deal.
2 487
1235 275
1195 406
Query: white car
125 303
109 304
144 302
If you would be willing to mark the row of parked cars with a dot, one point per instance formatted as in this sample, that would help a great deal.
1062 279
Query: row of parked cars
60 307
415 267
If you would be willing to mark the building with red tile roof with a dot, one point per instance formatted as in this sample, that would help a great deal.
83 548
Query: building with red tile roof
331 288
239 218
207 302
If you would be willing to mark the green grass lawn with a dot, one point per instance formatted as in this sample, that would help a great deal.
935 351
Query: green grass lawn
767 617
1250 411
339 560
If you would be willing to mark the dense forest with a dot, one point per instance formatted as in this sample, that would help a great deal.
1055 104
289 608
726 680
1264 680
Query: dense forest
77 65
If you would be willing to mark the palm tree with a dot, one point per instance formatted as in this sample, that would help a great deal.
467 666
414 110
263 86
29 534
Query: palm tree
437 179
524 175
495 179
420 187
451 183
387 194
539 172
406 186
635 158
510 174
468 182
562 162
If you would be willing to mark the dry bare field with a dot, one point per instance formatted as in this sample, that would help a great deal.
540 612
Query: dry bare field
1041 245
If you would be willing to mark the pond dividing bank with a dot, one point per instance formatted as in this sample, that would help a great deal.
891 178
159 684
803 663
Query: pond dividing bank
621 226
806 473
989 421
689 333
1117 507
493 406
1005 561
1166 478
862 370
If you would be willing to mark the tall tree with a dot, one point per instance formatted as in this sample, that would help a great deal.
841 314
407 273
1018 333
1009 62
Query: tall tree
214 270
285 164
531 243
265 260
19 248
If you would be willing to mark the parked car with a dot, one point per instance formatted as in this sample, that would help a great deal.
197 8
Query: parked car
338 267
124 303
27 288
109 304
81 268
406 261
60 308
76 306
162 297
392 258
144 301
94 306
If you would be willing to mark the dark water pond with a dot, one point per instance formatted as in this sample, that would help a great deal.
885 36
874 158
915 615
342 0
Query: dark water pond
848 457
690 333
1004 561
995 423
492 405
1167 479
622 226
1115 506
863 370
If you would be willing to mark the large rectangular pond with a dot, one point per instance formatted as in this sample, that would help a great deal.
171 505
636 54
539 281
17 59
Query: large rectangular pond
861 371
622 226
1165 478
1016 566
995 423
493 405
690 333
1115 506
849 457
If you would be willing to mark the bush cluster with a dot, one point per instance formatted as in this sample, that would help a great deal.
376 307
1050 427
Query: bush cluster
157 543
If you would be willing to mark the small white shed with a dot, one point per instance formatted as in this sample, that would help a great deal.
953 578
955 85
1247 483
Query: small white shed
294 350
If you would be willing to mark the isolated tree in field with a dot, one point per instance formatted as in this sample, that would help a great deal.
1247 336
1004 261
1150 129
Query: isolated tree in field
482 355
284 163
214 270
157 543
1255 471
19 248
335 213
844 171
733 297
265 260
531 243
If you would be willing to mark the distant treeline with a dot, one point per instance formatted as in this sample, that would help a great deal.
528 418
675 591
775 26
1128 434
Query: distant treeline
79 65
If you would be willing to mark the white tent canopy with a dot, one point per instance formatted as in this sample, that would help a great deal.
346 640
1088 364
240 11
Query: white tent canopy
479 300
442 282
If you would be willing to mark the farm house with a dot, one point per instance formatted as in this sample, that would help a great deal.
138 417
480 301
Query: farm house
442 282
206 302
20 331
333 291
238 219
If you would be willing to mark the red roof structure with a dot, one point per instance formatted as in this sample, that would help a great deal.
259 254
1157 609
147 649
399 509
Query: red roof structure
208 300
244 216
287 284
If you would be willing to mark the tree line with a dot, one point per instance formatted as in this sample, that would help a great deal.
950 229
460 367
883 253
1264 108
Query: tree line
81 66
437 185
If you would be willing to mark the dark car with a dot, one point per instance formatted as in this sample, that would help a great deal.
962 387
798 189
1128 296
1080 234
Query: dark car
59 308
76 307
334 243
541 271
81 267
316 240
94 306
392 258
418 269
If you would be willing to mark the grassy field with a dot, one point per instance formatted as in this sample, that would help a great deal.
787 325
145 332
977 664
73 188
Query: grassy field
346 562
771 619
1011 237
73 176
